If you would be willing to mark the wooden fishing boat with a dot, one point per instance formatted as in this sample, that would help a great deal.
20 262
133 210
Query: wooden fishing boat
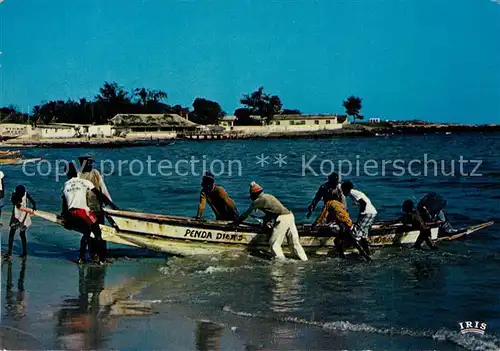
8 153
186 236
18 160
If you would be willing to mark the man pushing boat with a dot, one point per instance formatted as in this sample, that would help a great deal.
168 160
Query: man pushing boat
219 201
366 217
413 219
330 190
78 215
282 220
335 212
88 172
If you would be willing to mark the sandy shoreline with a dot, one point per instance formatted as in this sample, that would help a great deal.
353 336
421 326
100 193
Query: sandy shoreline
352 130
80 142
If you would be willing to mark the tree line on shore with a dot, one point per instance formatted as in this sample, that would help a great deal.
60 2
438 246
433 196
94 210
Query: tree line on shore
113 99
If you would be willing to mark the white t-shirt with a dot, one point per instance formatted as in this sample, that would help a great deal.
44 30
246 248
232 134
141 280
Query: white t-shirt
1 177
357 195
75 192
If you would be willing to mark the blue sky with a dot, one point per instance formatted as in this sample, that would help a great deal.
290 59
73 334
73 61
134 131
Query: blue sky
429 59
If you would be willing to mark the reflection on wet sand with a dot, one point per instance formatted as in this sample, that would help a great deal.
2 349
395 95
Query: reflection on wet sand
83 322
287 298
15 306
208 336
287 291
13 334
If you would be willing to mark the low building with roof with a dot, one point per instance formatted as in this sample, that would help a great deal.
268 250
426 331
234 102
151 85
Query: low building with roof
152 125
289 124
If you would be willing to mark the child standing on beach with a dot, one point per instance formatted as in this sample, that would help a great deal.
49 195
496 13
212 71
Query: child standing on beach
19 219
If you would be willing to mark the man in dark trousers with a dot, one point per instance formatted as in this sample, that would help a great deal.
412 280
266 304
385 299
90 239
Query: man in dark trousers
413 219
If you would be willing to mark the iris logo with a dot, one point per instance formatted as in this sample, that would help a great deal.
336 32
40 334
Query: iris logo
472 327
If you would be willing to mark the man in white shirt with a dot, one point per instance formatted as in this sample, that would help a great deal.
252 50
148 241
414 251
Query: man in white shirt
2 193
88 172
367 214
76 212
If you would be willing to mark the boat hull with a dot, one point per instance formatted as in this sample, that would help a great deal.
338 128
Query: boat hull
184 236
187 236
17 161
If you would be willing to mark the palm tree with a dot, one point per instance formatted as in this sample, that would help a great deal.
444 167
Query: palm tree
112 99
157 96
352 106
148 96
142 94
112 93
35 115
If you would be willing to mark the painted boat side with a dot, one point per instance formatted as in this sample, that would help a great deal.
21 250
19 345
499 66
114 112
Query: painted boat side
189 239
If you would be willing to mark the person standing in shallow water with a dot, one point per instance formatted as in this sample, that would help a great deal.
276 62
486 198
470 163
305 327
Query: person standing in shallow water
335 212
88 172
283 222
19 219
78 215
412 219
366 217
223 206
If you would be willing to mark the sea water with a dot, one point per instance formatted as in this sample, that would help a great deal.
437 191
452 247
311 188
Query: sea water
404 299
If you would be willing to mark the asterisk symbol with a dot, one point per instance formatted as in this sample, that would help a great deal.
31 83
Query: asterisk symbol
262 160
280 160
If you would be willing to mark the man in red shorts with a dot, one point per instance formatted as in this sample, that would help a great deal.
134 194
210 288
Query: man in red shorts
76 212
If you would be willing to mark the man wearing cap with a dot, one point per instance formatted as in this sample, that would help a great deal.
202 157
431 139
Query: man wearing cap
328 191
281 218
87 172
223 206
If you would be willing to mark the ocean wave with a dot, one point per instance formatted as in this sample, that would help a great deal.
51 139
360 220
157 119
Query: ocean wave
206 265
221 269
483 343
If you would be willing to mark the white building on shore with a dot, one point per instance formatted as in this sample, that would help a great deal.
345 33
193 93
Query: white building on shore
166 126
287 123
14 130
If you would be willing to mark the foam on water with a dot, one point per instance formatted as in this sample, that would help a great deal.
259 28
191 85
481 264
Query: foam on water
219 269
474 342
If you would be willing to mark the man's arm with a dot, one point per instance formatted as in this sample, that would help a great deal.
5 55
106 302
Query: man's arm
103 187
2 192
362 205
316 198
419 221
104 199
245 214
203 203
33 203
64 206
322 217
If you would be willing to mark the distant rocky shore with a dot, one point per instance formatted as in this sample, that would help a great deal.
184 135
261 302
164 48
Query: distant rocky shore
424 128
